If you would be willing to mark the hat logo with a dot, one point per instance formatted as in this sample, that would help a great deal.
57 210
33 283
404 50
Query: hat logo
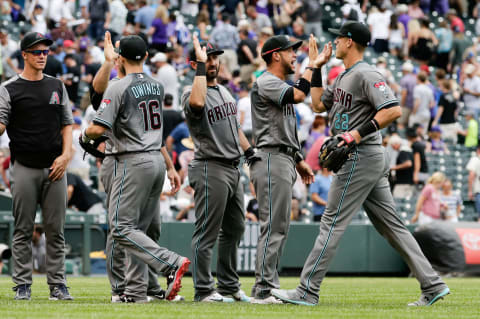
39 35
349 34
209 45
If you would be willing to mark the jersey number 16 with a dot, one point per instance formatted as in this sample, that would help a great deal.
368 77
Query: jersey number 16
152 119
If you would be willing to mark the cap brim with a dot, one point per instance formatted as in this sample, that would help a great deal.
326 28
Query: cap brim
47 42
216 52
294 45
335 31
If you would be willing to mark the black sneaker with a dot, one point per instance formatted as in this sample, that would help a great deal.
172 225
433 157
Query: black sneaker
23 292
59 292
156 295
130 299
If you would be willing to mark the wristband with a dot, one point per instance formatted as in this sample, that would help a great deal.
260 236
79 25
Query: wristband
249 152
369 127
317 78
309 68
303 85
201 69
298 157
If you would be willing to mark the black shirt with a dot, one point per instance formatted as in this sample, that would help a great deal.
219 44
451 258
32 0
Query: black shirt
419 147
447 101
73 74
242 57
83 197
404 176
171 119
253 207
53 67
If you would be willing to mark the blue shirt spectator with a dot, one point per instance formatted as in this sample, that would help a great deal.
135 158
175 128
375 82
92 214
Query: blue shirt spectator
175 138
319 192
144 16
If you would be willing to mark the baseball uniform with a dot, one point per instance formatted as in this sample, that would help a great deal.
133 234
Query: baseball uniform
132 109
215 177
34 113
355 97
275 135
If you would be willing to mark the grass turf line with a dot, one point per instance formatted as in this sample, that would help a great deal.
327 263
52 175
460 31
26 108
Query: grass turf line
351 297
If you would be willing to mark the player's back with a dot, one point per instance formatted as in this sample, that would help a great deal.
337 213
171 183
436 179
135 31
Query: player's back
135 107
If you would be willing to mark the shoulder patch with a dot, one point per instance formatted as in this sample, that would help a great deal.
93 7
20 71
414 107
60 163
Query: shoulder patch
55 98
103 105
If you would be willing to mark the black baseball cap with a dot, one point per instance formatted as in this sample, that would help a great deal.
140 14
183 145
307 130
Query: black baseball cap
279 43
357 31
32 38
132 47
211 49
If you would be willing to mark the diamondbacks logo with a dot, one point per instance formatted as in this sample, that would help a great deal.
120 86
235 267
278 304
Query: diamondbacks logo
382 87
54 99
103 105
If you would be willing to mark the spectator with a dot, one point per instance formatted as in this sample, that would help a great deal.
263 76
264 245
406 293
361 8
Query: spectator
473 168
319 192
247 53
423 101
471 90
203 21
403 17
476 15
158 30
99 14
319 129
336 67
118 19
312 15
455 21
174 140
414 10
38 21
171 117
244 106
420 166
403 168
71 79
258 20
471 132
423 42
252 206
446 116
429 206
62 31
396 36
436 143
82 197
7 48
378 23
445 41
54 66
225 37
144 17
131 6
58 9
167 76
407 84
459 45
452 200
298 30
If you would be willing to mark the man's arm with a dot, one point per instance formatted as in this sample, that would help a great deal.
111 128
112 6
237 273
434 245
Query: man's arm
248 53
100 82
171 173
57 170
199 87
383 117
94 131
321 59
471 179
244 143
318 200
403 165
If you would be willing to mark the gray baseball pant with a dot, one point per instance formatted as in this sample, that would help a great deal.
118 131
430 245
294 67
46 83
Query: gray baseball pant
273 178
219 213
363 180
31 186
116 262
135 190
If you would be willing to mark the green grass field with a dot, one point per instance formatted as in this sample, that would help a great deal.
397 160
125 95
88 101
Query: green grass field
340 298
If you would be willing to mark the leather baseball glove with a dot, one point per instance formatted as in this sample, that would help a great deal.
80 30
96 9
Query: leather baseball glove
333 156
90 145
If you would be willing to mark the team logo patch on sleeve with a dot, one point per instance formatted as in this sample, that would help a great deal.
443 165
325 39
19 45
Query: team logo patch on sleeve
103 105
382 87
55 98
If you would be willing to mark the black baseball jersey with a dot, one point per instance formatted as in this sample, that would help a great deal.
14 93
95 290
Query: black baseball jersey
354 99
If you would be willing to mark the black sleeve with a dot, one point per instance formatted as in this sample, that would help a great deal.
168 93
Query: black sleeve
288 97
95 98
403 157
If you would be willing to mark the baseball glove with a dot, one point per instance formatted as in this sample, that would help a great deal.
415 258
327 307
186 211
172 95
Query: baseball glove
90 146
333 156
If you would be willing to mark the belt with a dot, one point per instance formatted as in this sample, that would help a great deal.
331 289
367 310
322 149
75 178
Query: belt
228 162
131 153
287 150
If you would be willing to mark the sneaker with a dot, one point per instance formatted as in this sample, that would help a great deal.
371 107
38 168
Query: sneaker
429 299
174 278
239 296
161 296
130 299
59 292
116 298
216 297
266 301
23 292
291 296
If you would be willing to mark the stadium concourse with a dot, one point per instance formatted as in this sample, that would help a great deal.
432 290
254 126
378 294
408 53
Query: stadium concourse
410 39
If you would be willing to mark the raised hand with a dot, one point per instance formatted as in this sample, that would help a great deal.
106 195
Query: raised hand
312 49
109 50
200 53
324 56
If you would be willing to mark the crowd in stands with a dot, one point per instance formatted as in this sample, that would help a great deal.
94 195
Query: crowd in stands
427 50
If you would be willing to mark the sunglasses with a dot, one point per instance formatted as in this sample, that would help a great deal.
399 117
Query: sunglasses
38 52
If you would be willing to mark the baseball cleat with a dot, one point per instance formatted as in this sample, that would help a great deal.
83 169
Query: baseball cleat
216 297
23 292
240 296
161 296
174 279
131 299
291 296
59 292
266 301
116 298
429 299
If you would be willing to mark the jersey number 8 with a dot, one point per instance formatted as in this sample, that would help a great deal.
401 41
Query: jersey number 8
152 119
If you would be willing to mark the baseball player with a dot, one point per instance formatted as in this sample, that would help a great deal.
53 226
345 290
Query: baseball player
34 109
132 110
275 135
359 104
116 257
211 115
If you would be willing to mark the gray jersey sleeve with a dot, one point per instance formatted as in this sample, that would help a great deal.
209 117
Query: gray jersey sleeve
274 88
67 116
327 97
378 93
110 105
189 111
5 106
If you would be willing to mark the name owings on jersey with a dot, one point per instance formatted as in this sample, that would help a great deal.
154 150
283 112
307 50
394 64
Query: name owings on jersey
146 89
342 97
221 112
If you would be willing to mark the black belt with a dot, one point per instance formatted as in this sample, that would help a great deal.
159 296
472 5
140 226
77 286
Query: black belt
229 162
287 150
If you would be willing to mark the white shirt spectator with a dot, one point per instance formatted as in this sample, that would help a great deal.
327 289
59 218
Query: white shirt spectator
245 107
424 94
474 166
59 9
118 18
307 117
7 50
167 75
40 24
379 21
472 84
